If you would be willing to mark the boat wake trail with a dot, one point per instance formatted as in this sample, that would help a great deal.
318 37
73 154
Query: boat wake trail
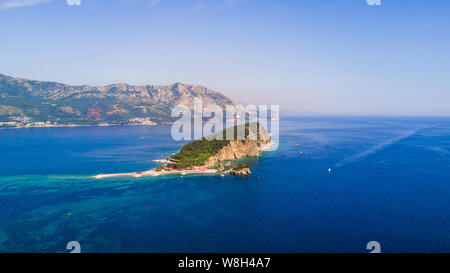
359 156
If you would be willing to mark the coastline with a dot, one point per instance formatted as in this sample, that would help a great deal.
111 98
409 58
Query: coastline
206 157
197 170
77 125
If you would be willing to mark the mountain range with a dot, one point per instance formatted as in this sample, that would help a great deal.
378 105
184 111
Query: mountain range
26 102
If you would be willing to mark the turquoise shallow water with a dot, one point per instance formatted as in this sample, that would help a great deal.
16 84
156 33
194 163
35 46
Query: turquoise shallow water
389 183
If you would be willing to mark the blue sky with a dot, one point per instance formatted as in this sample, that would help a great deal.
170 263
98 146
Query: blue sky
324 56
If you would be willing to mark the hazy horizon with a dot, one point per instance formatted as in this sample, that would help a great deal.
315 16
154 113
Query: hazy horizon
325 57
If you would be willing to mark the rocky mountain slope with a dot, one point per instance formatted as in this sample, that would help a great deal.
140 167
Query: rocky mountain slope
254 143
25 101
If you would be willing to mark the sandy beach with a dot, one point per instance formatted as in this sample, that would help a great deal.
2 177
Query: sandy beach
197 170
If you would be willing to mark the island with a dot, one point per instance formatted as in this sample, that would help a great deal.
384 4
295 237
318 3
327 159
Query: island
213 155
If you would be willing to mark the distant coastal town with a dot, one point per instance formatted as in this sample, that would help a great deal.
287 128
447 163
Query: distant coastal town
26 122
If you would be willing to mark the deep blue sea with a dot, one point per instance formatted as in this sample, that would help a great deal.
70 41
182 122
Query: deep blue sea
390 182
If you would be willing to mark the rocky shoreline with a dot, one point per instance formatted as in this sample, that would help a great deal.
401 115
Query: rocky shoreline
196 157
199 170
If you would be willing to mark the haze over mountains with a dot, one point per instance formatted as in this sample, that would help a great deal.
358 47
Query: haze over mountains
24 102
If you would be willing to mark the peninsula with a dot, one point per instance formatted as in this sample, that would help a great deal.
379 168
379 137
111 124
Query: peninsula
213 154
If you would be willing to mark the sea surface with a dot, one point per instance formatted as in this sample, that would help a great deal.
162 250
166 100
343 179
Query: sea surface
389 182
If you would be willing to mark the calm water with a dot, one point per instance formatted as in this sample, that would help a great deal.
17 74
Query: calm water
390 183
